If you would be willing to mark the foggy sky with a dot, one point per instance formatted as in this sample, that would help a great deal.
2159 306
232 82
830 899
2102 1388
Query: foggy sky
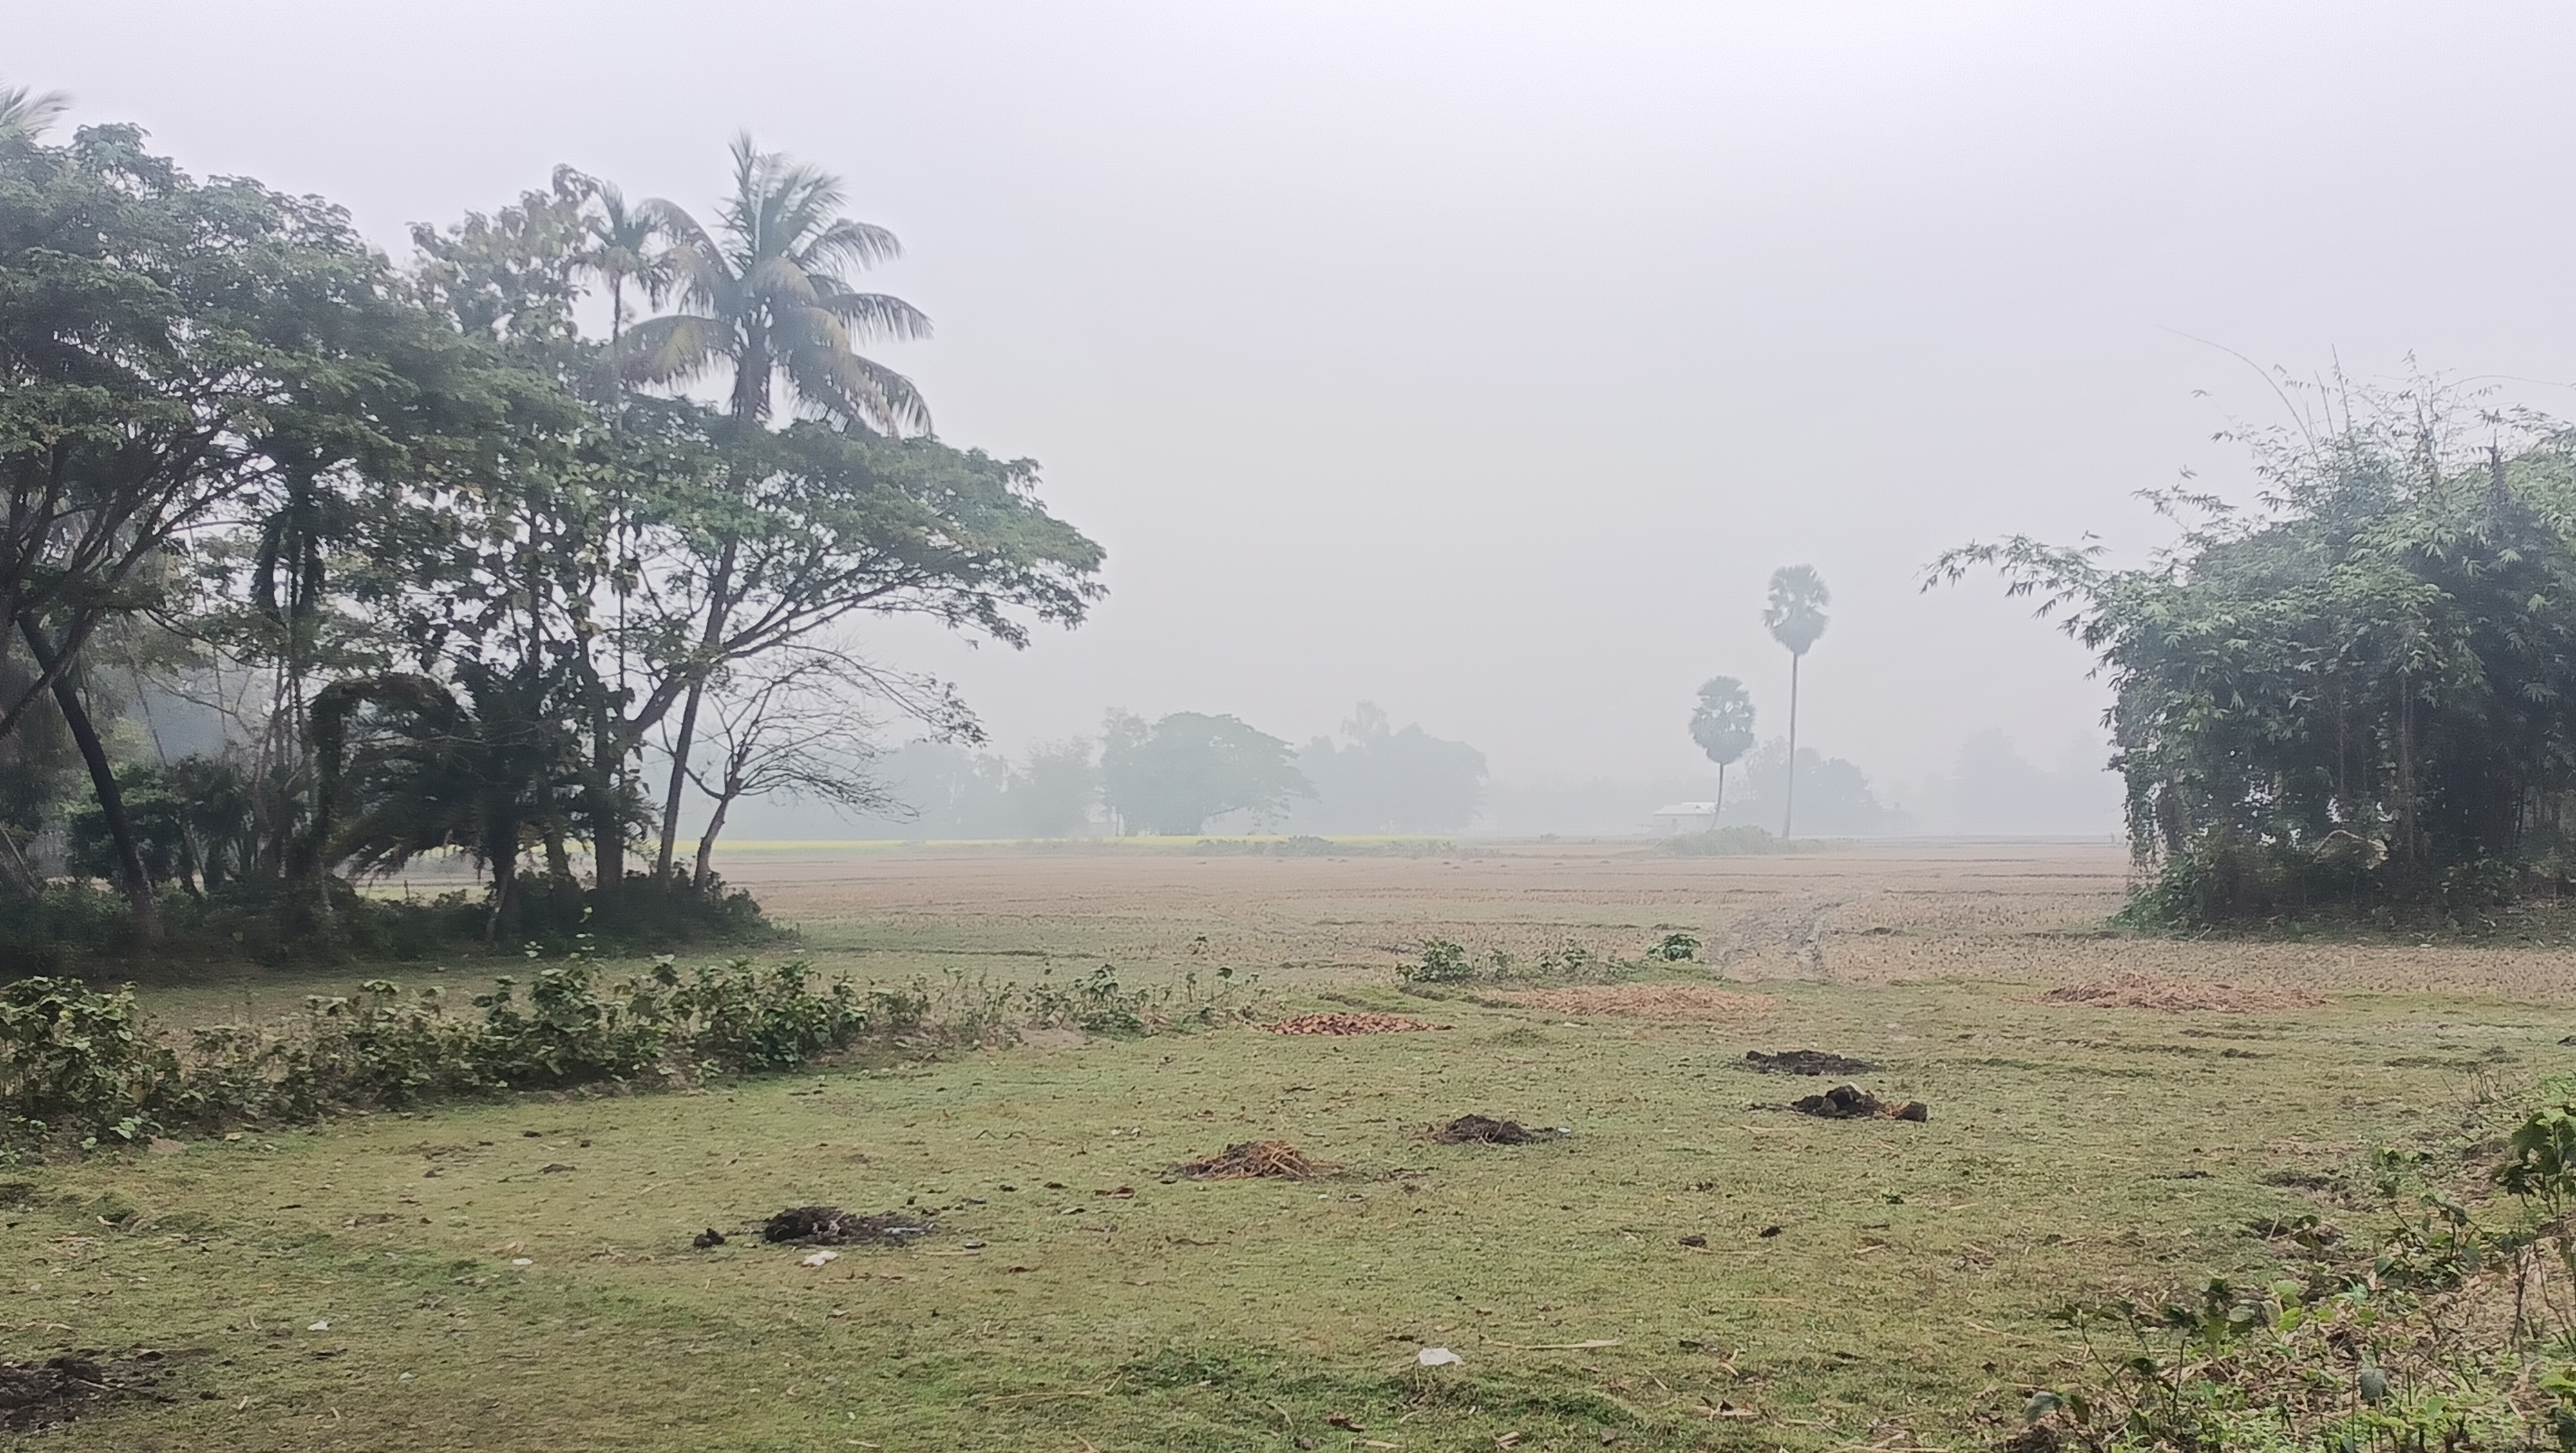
1482 360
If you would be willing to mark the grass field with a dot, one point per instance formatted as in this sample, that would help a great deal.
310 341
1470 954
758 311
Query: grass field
520 1275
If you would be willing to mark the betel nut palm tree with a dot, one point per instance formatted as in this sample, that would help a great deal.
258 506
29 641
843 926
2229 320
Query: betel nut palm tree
1722 724
1796 618
768 292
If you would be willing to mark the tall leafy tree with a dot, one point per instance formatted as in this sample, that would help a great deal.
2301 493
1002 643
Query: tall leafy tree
768 294
1795 617
168 351
2358 691
1172 776
1722 724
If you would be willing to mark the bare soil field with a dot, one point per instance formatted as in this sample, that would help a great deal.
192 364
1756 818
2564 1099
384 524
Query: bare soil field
1233 1239
2023 913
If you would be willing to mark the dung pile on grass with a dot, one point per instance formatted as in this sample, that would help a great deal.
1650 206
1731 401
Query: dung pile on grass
1851 1102
1272 1158
47 1394
832 1226
2178 996
1338 1023
1484 1130
1805 1062
1641 1001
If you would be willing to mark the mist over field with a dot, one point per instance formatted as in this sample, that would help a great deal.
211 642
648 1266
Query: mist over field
1481 362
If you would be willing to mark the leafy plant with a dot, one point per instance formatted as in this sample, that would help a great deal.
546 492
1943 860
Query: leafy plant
1442 961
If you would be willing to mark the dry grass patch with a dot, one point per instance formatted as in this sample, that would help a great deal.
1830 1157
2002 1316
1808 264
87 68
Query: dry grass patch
2153 991
1642 1001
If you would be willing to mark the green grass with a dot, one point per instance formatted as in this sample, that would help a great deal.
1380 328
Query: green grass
2070 1151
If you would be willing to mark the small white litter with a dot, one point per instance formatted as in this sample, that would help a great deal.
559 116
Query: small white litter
821 1258
1437 1357
523 1261
319 1327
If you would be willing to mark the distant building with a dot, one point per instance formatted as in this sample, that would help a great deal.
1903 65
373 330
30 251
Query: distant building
1681 817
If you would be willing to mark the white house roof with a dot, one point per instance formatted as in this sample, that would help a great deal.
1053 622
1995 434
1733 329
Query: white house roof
1686 809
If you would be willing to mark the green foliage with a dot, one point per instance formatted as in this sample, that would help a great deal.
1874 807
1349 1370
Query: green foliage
78 1063
566 1033
2449 1331
1676 948
1443 961
2354 697
744 1020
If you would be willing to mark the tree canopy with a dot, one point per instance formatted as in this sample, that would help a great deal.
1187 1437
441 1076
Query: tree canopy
2357 691
1173 775
441 563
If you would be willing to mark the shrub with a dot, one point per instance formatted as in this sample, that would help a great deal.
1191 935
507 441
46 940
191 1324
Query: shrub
1675 948
74 1061
741 1019
1443 962
1741 840
567 1034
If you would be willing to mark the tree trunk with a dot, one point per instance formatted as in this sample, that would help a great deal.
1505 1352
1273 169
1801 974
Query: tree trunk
102 778
1789 780
14 871
607 823
707 844
679 783
1717 810
719 608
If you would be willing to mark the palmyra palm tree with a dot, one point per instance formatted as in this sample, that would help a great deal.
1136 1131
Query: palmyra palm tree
769 292
1795 618
1722 724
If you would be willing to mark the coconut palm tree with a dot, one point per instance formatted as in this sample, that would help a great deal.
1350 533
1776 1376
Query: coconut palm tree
628 247
1795 617
27 114
769 293
1722 724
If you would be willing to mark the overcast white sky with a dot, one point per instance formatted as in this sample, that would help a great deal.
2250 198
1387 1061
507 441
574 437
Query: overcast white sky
1483 359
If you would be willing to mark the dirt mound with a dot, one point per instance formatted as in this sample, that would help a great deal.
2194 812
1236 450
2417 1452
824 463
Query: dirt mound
1339 1023
2150 991
1851 1102
832 1226
1805 1062
1641 1001
1483 1130
1275 1158
45 1394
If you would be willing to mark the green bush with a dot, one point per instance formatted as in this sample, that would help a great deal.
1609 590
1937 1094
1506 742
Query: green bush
741 1019
1444 961
77 1062
566 1033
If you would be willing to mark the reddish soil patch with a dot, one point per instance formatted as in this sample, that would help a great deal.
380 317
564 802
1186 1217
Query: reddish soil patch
1272 1158
1349 1024
2150 991
1641 1001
